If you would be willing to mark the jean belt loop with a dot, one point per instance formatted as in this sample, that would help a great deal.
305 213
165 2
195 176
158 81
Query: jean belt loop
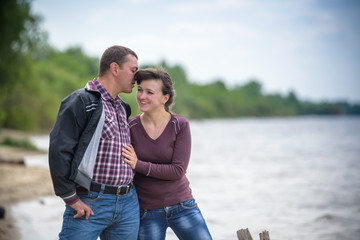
102 188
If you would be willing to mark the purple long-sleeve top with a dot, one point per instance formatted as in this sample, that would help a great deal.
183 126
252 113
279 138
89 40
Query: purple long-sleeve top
160 178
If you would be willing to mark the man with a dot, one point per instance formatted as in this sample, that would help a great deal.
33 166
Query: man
86 165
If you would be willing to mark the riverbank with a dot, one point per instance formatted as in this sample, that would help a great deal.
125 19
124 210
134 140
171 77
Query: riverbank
18 182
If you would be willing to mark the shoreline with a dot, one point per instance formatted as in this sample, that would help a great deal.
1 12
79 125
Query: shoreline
18 182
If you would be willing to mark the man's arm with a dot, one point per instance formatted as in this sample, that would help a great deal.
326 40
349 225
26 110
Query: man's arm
64 139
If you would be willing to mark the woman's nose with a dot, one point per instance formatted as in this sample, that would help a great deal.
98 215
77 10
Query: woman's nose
141 95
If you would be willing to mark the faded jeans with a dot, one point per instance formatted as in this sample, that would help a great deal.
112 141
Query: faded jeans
115 218
185 219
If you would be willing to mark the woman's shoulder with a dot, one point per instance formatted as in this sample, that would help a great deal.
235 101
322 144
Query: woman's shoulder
133 121
180 122
178 118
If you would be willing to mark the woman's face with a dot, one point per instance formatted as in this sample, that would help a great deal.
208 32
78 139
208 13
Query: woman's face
149 95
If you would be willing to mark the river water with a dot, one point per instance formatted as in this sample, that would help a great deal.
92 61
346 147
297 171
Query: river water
296 177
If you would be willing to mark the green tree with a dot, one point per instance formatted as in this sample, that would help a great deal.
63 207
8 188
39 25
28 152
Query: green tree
19 35
251 89
35 77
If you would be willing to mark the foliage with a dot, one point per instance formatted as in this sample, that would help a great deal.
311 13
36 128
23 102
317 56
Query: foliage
35 77
19 35
215 100
22 143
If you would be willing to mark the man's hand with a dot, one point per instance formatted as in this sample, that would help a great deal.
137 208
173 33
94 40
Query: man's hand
82 209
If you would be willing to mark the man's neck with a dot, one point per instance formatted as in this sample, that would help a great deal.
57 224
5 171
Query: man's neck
107 83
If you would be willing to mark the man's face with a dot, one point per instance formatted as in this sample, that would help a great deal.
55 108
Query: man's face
126 74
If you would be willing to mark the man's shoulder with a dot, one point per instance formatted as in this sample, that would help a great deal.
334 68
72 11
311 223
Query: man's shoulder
127 108
85 94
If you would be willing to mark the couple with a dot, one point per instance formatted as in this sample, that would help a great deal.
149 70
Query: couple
93 163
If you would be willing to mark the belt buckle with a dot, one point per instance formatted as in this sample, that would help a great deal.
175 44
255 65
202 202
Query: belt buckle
118 192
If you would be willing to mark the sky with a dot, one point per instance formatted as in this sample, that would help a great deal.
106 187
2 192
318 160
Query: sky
310 47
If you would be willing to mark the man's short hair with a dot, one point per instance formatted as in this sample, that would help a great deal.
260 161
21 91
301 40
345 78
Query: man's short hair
116 54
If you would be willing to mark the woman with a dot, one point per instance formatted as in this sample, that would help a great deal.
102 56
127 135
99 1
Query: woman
162 142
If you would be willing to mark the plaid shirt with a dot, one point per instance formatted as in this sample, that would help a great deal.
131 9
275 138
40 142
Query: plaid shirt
110 167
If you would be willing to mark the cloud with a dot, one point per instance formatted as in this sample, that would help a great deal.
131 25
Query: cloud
302 45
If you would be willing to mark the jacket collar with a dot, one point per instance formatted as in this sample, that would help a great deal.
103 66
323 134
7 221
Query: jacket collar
90 86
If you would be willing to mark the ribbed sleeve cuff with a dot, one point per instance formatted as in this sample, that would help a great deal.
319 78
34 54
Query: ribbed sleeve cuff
147 174
70 198
143 167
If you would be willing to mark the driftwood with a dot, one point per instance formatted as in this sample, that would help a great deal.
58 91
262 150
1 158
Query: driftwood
244 234
264 235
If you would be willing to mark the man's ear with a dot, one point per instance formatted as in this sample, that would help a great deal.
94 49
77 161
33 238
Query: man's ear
113 68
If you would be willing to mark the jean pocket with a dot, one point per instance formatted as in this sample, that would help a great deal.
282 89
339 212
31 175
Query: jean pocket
142 214
189 204
90 197
133 194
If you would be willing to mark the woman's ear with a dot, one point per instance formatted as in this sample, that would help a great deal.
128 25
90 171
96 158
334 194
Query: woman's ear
166 98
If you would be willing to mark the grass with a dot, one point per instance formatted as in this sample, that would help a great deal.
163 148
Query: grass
20 143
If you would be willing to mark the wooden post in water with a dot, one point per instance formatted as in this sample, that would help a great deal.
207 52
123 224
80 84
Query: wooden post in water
264 235
244 234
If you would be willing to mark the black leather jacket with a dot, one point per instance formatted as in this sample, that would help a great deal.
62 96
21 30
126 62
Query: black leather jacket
80 116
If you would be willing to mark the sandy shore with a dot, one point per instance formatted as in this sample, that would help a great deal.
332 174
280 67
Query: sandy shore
19 183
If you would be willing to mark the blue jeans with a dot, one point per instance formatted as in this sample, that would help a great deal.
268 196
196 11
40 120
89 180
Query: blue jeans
115 217
185 219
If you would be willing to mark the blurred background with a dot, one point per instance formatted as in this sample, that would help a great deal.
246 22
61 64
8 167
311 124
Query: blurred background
228 58
271 89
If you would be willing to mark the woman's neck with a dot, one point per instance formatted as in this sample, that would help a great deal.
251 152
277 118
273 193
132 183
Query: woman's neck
155 118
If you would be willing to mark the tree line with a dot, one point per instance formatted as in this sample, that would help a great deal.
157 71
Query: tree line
35 77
